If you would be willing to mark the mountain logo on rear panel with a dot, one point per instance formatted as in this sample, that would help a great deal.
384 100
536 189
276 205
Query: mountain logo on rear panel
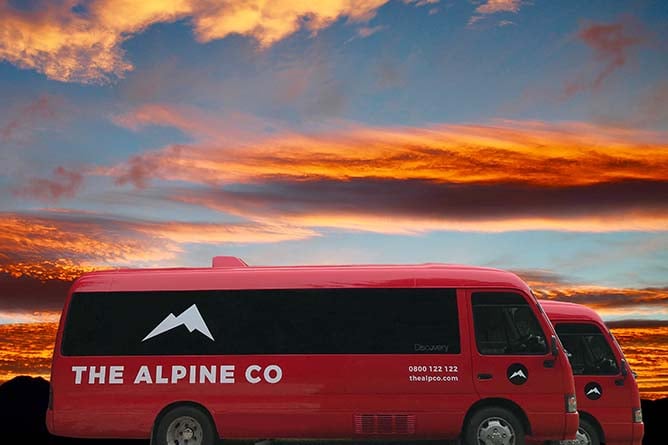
190 318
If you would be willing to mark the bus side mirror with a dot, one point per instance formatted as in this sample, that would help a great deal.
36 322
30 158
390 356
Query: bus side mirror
625 369
553 346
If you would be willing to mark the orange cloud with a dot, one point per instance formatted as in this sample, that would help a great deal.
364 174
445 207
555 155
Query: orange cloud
26 349
489 7
636 304
507 175
70 46
646 350
68 41
269 22
494 6
55 246
527 152
63 246
200 125
609 302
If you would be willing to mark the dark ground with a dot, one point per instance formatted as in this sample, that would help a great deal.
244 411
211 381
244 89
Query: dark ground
23 402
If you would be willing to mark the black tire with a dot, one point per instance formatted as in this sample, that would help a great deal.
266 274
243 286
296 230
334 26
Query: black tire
184 419
489 418
589 431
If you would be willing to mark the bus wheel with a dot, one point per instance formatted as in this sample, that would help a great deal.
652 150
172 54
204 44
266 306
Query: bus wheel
587 434
494 426
184 425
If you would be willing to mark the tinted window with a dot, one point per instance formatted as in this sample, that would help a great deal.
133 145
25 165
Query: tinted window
306 321
505 324
590 352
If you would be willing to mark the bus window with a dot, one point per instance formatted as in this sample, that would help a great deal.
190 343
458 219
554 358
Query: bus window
505 324
297 321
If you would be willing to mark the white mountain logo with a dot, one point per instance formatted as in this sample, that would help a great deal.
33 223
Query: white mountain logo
518 373
594 390
190 318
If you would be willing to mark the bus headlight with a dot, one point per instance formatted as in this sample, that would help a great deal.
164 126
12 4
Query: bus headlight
637 415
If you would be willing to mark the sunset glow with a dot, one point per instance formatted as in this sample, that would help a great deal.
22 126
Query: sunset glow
646 350
494 133
26 349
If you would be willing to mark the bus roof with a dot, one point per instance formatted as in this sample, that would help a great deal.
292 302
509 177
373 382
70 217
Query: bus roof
236 275
563 310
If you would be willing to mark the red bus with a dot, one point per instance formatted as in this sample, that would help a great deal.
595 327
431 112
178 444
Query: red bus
346 352
608 399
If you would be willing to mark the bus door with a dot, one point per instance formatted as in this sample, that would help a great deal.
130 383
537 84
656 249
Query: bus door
511 356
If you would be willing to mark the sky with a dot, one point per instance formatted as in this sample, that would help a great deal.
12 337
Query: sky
526 135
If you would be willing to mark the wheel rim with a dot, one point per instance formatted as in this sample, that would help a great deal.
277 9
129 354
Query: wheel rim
184 430
496 431
582 437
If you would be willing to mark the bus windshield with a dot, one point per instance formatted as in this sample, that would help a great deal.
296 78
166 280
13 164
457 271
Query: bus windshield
590 352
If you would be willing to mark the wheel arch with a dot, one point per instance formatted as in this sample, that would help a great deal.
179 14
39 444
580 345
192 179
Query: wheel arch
497 402
595 423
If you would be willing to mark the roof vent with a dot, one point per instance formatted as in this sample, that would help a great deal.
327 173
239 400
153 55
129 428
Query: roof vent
227 261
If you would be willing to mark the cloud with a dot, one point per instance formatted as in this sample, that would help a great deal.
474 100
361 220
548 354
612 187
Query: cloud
55 245
632 323
64 184
421 2
216 125
28 115
26 349
494 6
489 7
414 206
366 31
649 302
524 152
71 42
542 278
61 246
646 349
269 22
67 44
612 45
645 306
506 175
28 296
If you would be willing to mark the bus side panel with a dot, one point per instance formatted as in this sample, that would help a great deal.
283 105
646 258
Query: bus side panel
97 410
308 400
